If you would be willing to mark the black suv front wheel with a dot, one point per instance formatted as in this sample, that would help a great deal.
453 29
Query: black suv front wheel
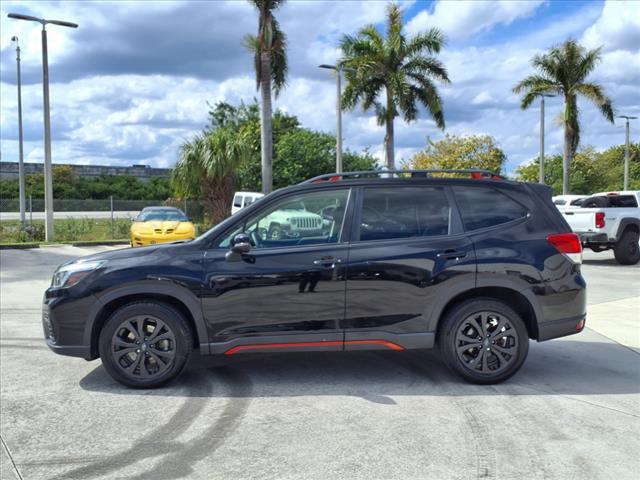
484 340
145 344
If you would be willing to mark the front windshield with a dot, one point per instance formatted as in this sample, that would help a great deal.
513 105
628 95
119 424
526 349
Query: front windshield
161 216
297 205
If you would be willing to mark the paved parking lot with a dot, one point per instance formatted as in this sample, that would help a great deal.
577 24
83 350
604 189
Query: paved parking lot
572 411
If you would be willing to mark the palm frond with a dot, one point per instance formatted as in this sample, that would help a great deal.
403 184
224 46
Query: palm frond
595 93
279 65
588 63
391 74
369 32
270 40
251 44
426 93
430 66
431 41
395 40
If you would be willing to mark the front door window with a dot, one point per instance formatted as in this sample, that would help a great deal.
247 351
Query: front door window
305 219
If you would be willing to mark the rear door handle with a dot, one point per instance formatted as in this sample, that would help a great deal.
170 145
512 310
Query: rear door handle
452 254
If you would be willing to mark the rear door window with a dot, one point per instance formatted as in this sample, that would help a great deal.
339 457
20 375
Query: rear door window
389 213
483 207
237 201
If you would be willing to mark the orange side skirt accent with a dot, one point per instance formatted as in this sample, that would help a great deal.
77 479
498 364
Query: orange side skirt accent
386 343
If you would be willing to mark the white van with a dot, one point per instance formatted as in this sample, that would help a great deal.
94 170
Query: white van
244 199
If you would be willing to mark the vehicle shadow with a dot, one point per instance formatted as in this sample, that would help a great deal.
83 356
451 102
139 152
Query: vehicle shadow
555 368
609 262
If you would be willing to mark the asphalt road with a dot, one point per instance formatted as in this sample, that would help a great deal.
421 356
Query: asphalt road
571 412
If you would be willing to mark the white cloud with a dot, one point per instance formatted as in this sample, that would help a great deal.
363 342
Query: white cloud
483 98
618 28
465 18
129 117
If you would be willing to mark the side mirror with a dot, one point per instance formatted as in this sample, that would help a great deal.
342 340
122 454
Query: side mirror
240 244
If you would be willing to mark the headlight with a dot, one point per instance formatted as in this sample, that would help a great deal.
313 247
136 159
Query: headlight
71 273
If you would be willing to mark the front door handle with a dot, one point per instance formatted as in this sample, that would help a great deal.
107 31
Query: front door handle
452 254
327 262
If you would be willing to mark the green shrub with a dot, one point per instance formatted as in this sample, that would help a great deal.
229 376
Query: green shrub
122 228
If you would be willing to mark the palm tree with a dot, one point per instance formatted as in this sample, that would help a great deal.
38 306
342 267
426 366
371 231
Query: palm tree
270 62
206 169
563 70
403 70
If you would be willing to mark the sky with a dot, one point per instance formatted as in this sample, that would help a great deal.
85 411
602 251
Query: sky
133 82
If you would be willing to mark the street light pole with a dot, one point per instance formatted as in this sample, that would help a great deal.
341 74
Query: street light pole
339 123
338 71
48 173
21 184
541 178
626 151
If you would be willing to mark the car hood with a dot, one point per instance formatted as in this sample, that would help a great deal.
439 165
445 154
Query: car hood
123 253
151 226
160 248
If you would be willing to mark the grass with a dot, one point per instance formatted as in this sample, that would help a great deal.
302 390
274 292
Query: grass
66 230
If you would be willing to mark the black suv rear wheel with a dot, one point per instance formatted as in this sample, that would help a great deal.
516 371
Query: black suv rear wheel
484 340
145 344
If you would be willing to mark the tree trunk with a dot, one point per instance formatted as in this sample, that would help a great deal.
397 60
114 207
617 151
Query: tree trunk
218 196
266 131
570 114
566 160
389 154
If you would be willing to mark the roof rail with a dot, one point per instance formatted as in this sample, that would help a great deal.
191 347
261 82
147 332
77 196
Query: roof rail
335 177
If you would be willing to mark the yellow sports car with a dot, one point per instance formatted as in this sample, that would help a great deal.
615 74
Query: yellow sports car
160 225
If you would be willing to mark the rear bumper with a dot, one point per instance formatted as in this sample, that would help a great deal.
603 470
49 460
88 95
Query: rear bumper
593 237
561 328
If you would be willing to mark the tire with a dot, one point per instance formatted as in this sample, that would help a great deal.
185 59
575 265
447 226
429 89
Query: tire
163 360
626 250
461 327
276 232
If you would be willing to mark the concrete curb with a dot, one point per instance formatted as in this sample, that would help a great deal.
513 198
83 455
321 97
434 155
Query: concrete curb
19 246
98 243
25 246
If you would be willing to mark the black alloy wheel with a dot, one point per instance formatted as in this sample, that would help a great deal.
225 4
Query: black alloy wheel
143 347
486 342
145 344
483 340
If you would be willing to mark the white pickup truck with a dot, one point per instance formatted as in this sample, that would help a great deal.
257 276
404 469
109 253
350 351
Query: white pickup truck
608 220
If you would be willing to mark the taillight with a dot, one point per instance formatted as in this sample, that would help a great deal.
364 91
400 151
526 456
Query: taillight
568 244
599 219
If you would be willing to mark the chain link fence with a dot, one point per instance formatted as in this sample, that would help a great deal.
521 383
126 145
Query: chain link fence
84 219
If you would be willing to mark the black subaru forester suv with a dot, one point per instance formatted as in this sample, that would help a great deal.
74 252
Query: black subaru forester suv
467 261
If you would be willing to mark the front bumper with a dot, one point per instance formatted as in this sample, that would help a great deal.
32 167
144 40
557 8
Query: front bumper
63 323
143 241
71 350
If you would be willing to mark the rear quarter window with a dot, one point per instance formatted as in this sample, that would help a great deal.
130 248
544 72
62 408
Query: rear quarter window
623 201
483 207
